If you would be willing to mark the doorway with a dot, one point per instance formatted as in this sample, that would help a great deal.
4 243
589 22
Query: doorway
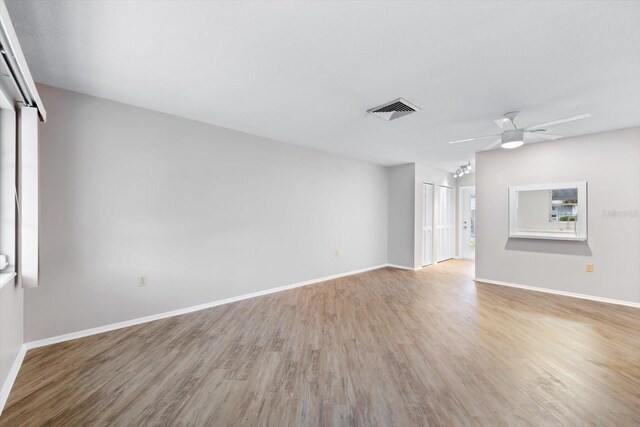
427 224
467 216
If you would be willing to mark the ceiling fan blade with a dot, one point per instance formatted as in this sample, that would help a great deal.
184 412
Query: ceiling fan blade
505 124
557 122
543 135
493 145
472 139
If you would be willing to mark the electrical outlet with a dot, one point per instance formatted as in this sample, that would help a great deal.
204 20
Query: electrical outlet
142 281
589 268
337 252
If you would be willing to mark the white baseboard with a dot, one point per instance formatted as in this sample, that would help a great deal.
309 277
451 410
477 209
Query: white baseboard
556 292
13 373
8 384
15 368
151 318
402 267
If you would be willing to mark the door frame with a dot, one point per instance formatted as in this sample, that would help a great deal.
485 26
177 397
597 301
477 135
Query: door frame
460 208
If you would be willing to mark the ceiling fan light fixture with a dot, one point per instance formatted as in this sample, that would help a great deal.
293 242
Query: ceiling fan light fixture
512 139
511 144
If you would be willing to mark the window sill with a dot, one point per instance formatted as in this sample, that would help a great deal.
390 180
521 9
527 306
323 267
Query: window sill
6 278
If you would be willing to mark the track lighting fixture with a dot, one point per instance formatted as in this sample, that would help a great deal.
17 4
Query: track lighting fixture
463 170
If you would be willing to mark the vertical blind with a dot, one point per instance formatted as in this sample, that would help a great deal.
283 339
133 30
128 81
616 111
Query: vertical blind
27 189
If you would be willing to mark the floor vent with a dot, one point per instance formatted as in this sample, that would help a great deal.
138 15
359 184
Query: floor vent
394 109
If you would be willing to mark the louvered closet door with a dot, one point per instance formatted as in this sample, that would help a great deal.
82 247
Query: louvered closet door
445 227
427 224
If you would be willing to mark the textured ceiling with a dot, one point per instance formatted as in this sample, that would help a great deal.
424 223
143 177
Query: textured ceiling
306 72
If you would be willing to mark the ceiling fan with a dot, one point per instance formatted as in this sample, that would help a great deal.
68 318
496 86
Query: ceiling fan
513 137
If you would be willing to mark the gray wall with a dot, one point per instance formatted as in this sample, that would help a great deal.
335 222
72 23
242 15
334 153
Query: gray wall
610 163
203 212
401 215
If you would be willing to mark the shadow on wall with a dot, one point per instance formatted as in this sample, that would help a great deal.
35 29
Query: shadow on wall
549 246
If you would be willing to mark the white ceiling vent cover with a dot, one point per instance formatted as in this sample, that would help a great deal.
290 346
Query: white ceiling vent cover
394 109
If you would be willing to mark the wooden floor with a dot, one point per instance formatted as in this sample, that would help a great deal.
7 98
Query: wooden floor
387 347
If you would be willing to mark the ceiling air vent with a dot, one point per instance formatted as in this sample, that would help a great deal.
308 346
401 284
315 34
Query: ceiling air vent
394 109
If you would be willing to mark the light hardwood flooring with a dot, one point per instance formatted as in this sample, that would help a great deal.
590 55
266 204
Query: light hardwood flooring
387 347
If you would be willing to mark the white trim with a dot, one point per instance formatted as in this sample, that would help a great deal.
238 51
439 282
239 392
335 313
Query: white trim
111 327
6 278
580 224
13 374
15 368
15 56
556 292
404 267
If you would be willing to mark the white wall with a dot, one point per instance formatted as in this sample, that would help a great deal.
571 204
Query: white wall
203 212
466 180
610 163
401 215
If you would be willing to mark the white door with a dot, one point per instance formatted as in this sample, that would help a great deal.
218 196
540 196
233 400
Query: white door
427 224
445 226
468 222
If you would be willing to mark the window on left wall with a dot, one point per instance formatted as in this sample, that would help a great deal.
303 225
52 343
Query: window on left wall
20 113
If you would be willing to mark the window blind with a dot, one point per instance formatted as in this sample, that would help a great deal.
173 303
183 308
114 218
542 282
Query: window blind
28 204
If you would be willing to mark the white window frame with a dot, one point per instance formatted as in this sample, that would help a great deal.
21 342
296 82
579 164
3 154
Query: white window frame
581 223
